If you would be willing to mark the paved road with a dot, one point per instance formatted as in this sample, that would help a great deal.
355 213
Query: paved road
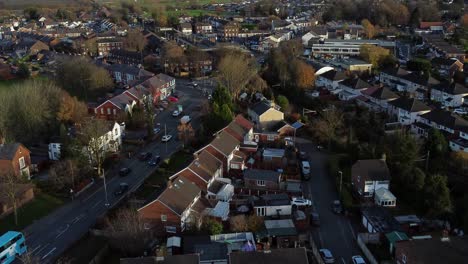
49 237
335 232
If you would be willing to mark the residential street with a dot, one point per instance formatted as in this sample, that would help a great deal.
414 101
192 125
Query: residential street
335 232
52 235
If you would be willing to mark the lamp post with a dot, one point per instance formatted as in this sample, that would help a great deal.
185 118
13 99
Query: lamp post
105 188
341 180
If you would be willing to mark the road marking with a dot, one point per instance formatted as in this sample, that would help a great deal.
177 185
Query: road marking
95 205
342 259
34 250
43 248
63 231
352 230
321 239
50 252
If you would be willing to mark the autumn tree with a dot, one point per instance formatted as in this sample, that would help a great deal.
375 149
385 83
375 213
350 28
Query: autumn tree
326 128
375 55
160 16
135 40
464 21
94 142
304 75
127 232
171 51
369 29
238 223
255 223
82 78
186 133
64 174
9 185
212 226
283 102
71 110
235 71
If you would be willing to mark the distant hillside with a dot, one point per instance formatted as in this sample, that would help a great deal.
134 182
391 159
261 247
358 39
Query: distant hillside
12 4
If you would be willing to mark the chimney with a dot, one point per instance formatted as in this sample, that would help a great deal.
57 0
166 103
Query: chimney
169 184
384 157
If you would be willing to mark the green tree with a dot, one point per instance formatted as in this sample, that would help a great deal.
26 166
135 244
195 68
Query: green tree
419 65
282 101
212 227
437 199
222 96
226 114
23 71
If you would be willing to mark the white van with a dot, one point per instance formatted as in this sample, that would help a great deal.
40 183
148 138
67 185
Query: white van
305 166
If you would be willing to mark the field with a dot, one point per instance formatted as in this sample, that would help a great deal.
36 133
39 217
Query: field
18 4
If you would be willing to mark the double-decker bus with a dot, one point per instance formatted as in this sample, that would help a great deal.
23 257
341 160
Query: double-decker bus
12 245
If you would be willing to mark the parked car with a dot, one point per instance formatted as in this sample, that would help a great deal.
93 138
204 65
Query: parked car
298 201
156 130
305 167
154 161
173 99
143 156
358 260
124 171
166 138
123 188
185 119
194 84
314 219
176 113
460 111
326 255
336 207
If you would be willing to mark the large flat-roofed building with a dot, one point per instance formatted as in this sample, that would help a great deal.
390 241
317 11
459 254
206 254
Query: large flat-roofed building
340 47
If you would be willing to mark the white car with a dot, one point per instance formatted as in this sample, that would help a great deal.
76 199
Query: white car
298 201
358 260
176 113
305 166
166 138
326 255
460 111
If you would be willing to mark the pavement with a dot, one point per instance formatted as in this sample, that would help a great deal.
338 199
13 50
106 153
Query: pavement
336 231
50 236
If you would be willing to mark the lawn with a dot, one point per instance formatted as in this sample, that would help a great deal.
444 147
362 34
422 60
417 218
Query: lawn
159 178
42 205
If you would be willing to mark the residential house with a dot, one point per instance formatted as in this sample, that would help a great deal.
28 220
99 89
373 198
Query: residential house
315 34
273 205
330 79
432 250
23 194
116 107
161 86
109 142
430 27
449 94
280 233
186 28
368 176
126 74
55 147
274 256
30 47
105 45
351 88
228 30
377 98
178 207
446 67
14 158
273 158
415 83
203 28
262 179
223 148
265 115
123 56
377 219
407 110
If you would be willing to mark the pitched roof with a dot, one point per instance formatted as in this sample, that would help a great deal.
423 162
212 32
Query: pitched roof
225 143
242 121
205 165
447 119
383 93
334 75
374 170
394 71
263 175
8 151
274 256
179 195
443 61
426 25
121 100
260 108
410 104
169 259
454 88
355 83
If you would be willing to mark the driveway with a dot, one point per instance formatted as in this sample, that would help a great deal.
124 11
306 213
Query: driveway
335 232
49 237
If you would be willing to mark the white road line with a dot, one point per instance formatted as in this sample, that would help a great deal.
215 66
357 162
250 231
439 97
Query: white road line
342 259
43 248
63 231
321 239
352 230
50 252
34 250
95 205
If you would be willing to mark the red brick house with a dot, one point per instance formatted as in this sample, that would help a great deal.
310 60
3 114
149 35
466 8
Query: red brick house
176 209
116 107
262 179
14 158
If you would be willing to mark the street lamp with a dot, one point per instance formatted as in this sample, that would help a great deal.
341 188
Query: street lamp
341 180
105 186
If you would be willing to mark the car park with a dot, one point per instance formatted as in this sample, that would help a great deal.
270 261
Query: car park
143 156
298 201
358 260
326 256
154 161
124 171
336 207
123 188
166 138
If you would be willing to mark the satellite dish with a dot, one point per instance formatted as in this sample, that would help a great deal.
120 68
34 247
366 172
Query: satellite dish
324 70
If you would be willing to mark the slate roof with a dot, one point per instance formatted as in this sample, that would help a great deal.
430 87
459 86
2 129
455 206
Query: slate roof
372 170
170 259
128 69
453 89
274 256
179 195
225 142
121 100
8 151
447 119
334 75
443 61
260 108
263 175
383 93
273 200
410 104
355 83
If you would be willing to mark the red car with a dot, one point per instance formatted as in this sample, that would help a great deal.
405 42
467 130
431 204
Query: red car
173 99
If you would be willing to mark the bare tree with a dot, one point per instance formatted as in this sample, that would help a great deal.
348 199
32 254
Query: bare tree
135 40
327 126
148 110
127 232
29 258
10 184
64 174
94 139
186 133
235 71
239 223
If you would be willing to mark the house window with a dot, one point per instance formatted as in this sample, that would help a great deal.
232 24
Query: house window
358 178
108 111
260 183
164 218
22 164
270 137
403 258
171 229
102 111
115 111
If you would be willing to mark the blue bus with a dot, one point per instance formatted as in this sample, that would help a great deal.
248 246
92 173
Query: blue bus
12 244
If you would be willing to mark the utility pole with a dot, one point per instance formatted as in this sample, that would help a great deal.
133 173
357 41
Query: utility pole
341 180
427 160
165 134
